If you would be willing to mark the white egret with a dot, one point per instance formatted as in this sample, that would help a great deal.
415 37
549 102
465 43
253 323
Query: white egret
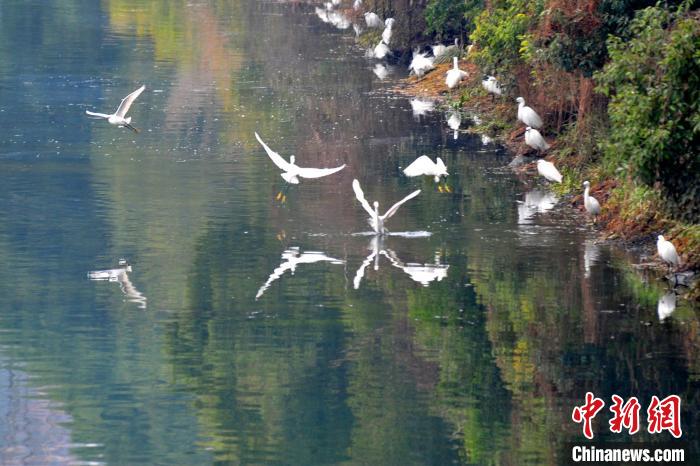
421 107
293 172
119 117
372 20
589 202
455 75
440 50
534 139
491 85
386 34
376 221
338 20
528 115
322 14
454 121
381 71
291 258
549 171
381 50
423 166
120 275
357 28
666 305
357 4
420 63
667 252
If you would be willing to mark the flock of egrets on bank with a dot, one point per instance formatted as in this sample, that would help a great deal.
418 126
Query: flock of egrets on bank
422 166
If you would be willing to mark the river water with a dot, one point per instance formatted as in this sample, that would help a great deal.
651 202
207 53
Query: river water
249 330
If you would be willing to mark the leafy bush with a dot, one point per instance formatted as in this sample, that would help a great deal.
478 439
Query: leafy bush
653 81
451 18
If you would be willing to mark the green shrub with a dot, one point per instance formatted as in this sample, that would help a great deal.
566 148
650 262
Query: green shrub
653 81
451 18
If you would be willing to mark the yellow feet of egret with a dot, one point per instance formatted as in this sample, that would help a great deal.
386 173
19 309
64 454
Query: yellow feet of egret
281 197
444 188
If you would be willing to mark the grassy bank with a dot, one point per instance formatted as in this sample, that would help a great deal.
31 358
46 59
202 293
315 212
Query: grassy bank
631 212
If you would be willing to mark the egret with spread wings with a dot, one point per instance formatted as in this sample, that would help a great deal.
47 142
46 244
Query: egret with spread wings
376 221
119 117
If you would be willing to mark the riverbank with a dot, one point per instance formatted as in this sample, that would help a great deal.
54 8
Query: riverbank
631 215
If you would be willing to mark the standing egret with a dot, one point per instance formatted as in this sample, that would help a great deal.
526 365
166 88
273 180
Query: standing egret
423 166
667 252
376 221
455 75
119 117
440 50
372 20
291 171
454 121
528 115
491 85
386 34
420 63
381 50
549 171
534 139
589 202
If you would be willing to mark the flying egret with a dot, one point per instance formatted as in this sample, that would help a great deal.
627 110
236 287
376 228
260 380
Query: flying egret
455 75
421 107
293 172
119 117
423 166
534 139
528 115
589 202
491 85
420 63
376 221
386 34
372 20
454 121
667 252
291 258
549 171
381 50
120 275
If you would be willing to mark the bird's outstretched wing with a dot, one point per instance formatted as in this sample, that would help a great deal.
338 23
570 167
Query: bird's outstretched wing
361 197
441 164
276 158
396 206
318 172
97 115
419 166
127 101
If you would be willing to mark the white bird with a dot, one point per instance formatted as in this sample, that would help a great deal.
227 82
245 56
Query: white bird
119 117
293 172
666 305
338 20
372 20
454 121
376 221
455 75
528 115
423 166
421 107
386 34
357 28
120 275
290 259
549 171
440 50
420 63
534 139
491 85
589 202
357 4
381 50
667 252
381 71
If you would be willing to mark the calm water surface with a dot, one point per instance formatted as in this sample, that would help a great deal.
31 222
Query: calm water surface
251 331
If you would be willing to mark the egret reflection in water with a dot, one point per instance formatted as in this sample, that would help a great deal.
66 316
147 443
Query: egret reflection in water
666 305
120 275
421 273
591 255
421 107
536 202
291 258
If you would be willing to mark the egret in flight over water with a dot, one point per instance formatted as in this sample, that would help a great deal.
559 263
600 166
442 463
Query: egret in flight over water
119 117
423 166
376 221
291 171
528 115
